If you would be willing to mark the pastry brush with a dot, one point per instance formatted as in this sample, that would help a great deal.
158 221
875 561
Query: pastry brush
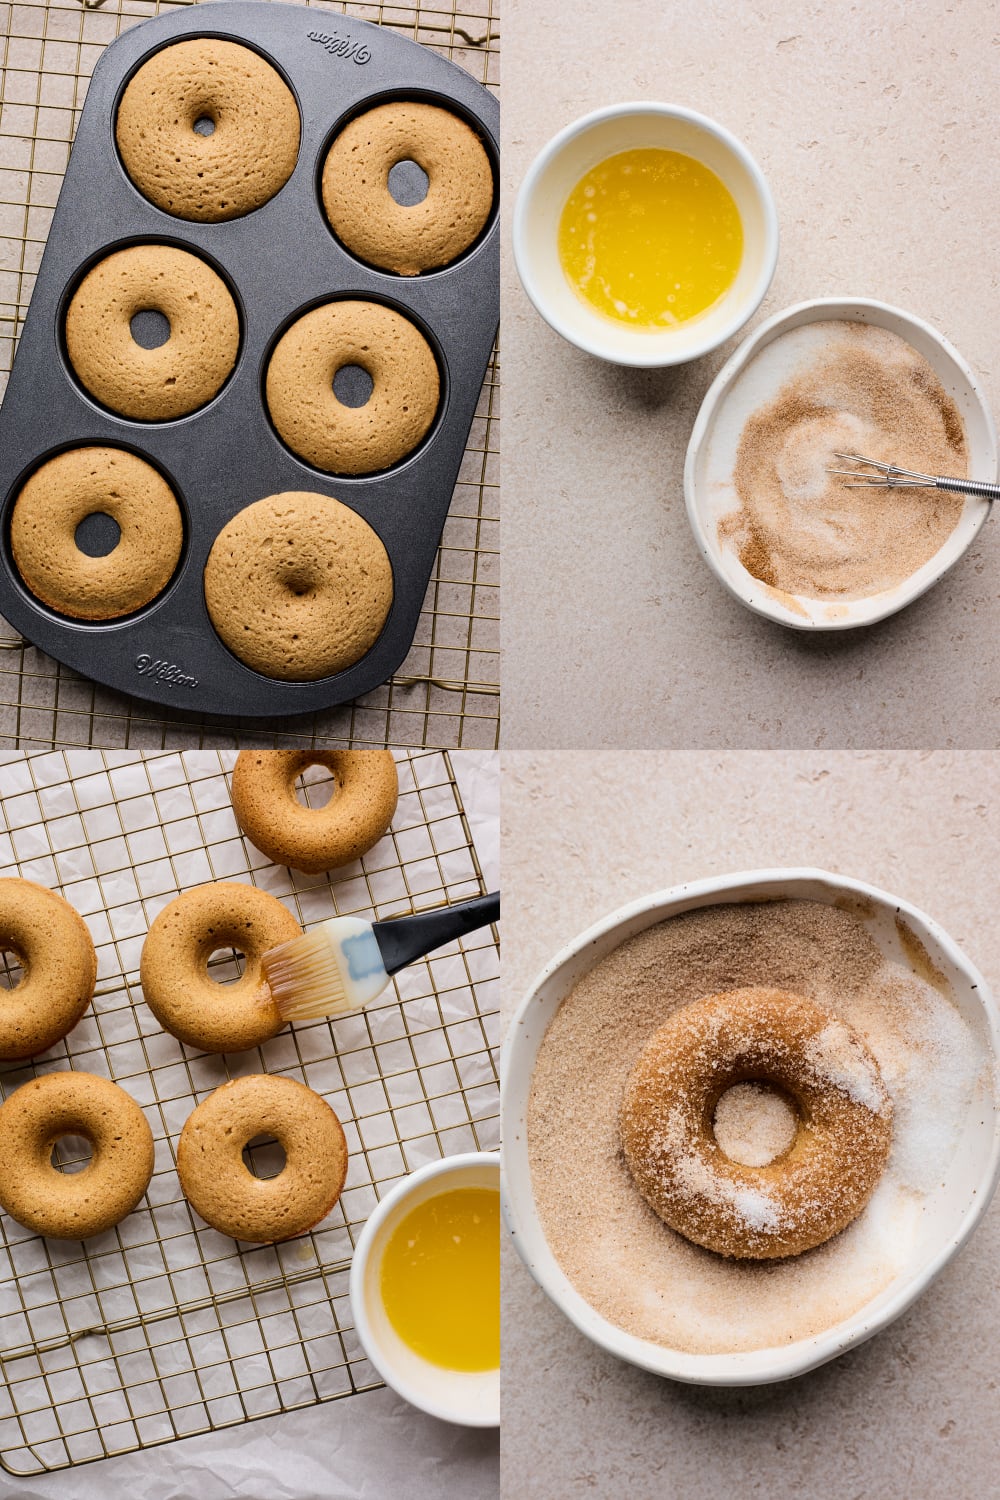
345 962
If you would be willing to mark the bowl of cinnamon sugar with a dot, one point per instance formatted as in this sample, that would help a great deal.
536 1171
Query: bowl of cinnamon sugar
796 543
635 1285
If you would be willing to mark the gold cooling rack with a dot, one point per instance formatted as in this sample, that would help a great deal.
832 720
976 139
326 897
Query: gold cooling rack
446 694
163 1327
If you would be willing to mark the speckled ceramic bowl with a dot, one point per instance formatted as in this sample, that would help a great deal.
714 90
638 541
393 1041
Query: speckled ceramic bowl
950 1213
707 500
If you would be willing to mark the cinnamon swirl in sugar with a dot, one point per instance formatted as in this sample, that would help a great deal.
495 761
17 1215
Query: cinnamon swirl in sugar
828 388
632 1268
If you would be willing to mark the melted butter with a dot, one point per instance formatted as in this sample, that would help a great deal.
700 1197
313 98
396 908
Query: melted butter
650 238
440 1279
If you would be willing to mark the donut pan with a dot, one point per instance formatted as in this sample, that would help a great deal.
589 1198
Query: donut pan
278 261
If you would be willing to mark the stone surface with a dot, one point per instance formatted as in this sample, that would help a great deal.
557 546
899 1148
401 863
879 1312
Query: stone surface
875 128
912 1413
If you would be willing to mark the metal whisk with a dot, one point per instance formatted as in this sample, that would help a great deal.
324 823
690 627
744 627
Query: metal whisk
892 477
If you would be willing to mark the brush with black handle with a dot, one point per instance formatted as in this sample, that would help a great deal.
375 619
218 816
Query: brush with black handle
346 962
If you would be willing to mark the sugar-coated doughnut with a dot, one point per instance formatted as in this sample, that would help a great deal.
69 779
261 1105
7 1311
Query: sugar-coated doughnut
219 1185
73 1205
818 1185
66 490
173 967
365 216
177 377
324 838
59 968
247 156
305 408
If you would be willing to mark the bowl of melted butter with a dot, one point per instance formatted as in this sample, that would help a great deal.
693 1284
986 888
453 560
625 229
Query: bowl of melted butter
425 1289
645 234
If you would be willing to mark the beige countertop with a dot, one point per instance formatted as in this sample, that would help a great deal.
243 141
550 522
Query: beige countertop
912 1413
876 129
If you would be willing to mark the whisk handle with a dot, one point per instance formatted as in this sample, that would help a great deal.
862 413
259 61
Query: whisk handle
969 487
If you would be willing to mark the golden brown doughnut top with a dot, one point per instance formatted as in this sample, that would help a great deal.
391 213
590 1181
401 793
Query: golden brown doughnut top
231 1198
66 490
56 952
177 377
407 239
324 838
298 586
72 1206
249 154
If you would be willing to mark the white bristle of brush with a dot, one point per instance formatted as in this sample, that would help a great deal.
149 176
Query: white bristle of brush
305 978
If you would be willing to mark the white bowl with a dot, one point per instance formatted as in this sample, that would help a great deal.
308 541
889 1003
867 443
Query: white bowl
952 1211
468 1397
556 171
712 449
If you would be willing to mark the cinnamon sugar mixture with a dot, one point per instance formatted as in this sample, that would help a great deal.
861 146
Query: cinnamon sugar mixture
626 1262
798 529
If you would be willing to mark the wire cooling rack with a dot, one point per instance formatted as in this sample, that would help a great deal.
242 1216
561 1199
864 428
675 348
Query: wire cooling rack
162 1327
446 694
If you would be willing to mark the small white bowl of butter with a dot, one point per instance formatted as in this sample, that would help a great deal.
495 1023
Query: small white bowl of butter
459 1390
597 138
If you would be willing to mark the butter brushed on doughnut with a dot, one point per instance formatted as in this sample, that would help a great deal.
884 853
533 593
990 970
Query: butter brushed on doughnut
417 237
355 818
246 158
830 1169
65 491
173 966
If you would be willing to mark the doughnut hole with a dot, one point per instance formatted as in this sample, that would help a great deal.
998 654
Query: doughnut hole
204 125
408 183
315 786
264 1157
72 1153
97 534
225 965
754 1122
11 970
353 386
149 327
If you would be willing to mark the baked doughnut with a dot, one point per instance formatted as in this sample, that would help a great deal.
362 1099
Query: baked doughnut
56 952
815 1187
173 966
73 1205
298 586
242 162
365 216
219 1185
366 787
65 491
306 411
152 385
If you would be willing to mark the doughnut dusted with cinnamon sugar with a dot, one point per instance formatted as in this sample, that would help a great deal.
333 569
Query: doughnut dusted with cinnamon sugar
814 1188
